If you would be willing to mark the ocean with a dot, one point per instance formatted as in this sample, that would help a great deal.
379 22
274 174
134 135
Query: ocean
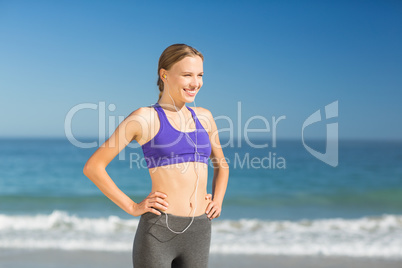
279 200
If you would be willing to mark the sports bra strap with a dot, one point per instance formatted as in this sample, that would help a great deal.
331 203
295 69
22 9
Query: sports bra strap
193 114
164 120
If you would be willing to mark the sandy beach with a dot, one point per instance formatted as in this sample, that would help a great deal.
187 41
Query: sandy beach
92 259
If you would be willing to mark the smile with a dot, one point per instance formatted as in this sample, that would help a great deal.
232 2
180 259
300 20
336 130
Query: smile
190 92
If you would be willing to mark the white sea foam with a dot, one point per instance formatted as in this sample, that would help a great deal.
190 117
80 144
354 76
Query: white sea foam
364 237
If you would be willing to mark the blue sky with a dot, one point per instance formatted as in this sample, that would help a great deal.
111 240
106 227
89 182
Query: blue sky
276 58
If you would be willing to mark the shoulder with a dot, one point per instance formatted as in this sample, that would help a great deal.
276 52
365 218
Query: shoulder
138 122
141 112
141 117
205 117
202 112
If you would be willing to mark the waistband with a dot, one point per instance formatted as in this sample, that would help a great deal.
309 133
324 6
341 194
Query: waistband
150 215
174 220
177 223
156 226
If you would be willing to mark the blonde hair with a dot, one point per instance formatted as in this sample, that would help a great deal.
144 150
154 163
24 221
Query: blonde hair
170 56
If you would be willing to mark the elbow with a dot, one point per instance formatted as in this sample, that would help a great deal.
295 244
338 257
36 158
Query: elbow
86 170
90 169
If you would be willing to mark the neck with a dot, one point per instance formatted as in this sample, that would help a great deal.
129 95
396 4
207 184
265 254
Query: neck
168 104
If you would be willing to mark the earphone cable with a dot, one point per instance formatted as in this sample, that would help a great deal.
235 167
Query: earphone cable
195 166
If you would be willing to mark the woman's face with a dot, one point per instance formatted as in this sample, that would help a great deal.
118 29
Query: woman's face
184 79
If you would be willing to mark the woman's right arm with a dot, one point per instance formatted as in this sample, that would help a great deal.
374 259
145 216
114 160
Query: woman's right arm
130 129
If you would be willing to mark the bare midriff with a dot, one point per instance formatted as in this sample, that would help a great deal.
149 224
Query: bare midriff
178 182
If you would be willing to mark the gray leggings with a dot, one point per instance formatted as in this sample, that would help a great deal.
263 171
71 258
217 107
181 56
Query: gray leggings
155 246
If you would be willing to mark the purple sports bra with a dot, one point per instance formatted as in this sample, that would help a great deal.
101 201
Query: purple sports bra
171 146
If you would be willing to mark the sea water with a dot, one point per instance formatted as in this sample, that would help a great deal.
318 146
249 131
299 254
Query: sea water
279 200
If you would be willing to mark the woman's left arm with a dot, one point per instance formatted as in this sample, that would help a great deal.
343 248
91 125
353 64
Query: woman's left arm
221 170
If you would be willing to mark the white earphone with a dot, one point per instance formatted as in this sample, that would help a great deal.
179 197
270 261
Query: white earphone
195 166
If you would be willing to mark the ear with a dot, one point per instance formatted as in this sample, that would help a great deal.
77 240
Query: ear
162 72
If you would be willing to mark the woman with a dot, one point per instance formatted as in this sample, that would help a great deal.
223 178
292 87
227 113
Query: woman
175 224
